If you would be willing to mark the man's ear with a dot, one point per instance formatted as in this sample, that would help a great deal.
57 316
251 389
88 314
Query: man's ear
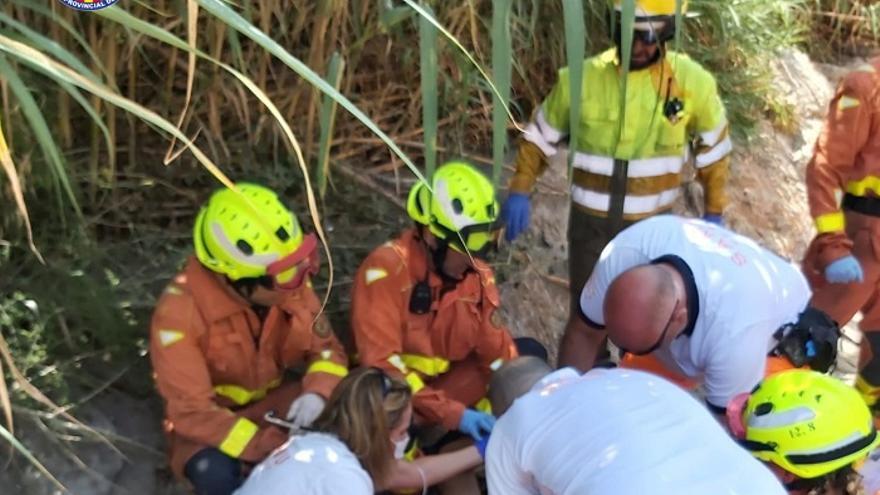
680 315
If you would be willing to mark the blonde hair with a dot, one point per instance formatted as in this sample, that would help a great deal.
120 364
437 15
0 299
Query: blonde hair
363 409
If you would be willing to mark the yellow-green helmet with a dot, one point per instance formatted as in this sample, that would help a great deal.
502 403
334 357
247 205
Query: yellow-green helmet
462 210
807 423
251 234
652 9
654 20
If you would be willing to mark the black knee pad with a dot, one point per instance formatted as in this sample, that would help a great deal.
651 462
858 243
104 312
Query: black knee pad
871 371
212 472
527 346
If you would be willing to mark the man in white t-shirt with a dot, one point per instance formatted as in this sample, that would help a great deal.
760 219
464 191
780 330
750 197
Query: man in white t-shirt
610 431
705 302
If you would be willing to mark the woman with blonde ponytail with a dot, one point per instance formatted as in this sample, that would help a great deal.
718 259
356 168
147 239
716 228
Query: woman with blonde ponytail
356 446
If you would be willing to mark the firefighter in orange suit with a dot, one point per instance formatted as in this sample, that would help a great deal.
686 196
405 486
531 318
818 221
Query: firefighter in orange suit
226 329
843 185
425 306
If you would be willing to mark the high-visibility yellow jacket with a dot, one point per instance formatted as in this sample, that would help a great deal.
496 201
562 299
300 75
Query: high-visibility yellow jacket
654 146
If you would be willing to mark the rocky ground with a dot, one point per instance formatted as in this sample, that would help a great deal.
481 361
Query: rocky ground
768 203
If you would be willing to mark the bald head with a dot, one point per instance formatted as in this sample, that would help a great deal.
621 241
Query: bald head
513 380
638 306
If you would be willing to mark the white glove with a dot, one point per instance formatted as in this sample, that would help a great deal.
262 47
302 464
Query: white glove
305 409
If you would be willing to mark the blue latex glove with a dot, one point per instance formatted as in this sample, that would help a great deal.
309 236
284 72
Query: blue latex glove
516 214
844 271
481 445
713 218
476 424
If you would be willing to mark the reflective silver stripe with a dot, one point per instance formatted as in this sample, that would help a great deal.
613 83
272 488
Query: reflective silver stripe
254 260
642 167
781 419
711 156
632 205
550 133
711 138
543 135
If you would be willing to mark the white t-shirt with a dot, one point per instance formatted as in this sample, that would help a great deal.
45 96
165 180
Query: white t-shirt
744 294
618 431
311 464
871 473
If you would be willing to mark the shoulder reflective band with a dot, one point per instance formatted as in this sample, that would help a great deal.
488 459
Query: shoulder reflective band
830 222
242 396
239 436
329 367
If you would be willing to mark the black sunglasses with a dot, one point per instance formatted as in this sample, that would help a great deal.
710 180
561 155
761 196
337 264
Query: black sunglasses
660 340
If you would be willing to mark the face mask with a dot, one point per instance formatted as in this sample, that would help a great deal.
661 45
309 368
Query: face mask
400 447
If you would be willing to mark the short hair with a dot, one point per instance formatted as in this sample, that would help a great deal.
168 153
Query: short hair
514 380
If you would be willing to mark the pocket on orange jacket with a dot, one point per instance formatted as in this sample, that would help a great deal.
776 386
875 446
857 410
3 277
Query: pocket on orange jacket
417 334
224 349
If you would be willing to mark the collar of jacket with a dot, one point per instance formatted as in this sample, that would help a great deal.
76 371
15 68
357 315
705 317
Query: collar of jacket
662 74
481 277
217 302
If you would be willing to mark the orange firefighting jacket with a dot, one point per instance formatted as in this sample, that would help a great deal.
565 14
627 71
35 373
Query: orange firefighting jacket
211 356
846 160
463 322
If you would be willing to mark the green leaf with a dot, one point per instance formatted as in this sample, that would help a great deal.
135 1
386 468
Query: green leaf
679 23
501 71
96 117
42 134
428 71
430 17
394 16
50 46
575 33
327 119
627 18
237 22
72 31
47 45
61 73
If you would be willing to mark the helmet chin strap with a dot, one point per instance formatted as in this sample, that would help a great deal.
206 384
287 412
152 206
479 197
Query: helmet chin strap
438 256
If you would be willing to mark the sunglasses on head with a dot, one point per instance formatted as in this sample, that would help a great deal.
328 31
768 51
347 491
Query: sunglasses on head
652 35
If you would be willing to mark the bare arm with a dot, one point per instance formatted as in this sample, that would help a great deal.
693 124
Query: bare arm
436 468
580 345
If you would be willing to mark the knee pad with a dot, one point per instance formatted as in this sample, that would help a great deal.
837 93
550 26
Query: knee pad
527 346
212 472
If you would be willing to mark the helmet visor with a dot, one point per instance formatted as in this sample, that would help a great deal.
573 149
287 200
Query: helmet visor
479 240
288 272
